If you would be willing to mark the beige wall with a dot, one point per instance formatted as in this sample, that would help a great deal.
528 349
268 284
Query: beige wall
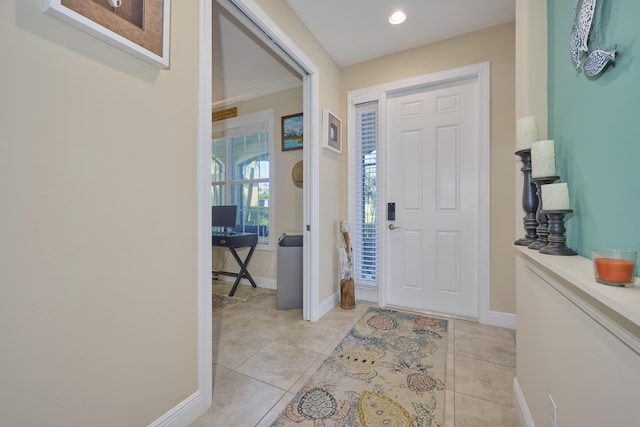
330 178
496 45
286 198
562 352
531 80
531 62
98 247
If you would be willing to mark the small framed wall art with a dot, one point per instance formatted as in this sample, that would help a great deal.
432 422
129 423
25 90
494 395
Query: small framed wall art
292 132
138 27
332 138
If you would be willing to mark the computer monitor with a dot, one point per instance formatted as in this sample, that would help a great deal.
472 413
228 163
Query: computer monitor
224 216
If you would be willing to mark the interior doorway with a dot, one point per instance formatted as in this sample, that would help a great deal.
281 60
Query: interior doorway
262 28
255 18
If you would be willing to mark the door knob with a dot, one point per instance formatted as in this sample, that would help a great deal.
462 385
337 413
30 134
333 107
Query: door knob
392 227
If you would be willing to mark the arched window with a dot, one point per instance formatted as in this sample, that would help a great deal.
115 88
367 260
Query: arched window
240 170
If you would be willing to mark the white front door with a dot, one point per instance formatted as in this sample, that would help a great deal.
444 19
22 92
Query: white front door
432 175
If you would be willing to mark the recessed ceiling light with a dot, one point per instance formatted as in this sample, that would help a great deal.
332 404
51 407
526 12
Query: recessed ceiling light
397 17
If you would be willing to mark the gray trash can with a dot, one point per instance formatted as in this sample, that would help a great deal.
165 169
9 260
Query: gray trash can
289 286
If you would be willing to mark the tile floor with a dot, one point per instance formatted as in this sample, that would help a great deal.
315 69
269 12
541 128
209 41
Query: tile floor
262 356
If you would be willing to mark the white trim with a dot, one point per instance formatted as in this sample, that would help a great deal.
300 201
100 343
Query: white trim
267 283
205 330
481 72
521 407
329 304
504 320
440 77
203 179
187 411
311 250
262 282
367 293
268 89
182 414
382 194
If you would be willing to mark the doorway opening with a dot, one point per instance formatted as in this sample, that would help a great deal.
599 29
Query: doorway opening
262 26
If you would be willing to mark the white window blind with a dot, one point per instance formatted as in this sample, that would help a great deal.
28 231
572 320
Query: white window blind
366 203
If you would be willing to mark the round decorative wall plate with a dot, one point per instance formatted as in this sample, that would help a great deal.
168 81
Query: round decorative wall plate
296 174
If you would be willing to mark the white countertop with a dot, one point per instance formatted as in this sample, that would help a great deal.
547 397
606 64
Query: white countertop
579 272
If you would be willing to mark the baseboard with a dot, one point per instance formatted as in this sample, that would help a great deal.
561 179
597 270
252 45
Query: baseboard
262 282
266 282
504 320
328 304
526 420
183 414
368 294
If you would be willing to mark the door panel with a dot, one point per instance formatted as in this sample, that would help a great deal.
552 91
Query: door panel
432 177
447 171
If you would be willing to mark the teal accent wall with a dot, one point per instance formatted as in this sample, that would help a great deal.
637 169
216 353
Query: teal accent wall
595 123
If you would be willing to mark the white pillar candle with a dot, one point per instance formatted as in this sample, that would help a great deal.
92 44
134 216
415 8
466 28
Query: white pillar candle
555 196
543 159
526 132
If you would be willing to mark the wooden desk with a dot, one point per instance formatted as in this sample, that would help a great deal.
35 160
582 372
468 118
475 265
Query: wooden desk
233 242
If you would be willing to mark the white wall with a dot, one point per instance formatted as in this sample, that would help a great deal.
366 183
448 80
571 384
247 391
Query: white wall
98 247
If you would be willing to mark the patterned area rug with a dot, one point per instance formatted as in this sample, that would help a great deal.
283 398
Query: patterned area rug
388 371
222 301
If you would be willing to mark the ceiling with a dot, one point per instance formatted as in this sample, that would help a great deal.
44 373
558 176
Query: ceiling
354 31
351 31
243 66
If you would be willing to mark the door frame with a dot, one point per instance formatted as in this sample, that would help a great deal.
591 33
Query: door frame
263 26
380 93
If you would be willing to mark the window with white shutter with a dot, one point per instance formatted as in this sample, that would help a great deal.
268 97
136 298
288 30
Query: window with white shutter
366 204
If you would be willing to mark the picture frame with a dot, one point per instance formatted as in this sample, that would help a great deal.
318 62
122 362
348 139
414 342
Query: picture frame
292 132
120 24
332 138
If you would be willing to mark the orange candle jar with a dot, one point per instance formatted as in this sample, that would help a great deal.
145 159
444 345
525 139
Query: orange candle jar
614 266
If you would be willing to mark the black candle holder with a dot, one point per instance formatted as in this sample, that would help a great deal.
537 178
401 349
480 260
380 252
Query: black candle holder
529 200
557 240
543 228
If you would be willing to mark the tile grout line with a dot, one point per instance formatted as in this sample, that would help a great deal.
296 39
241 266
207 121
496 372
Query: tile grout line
484 400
